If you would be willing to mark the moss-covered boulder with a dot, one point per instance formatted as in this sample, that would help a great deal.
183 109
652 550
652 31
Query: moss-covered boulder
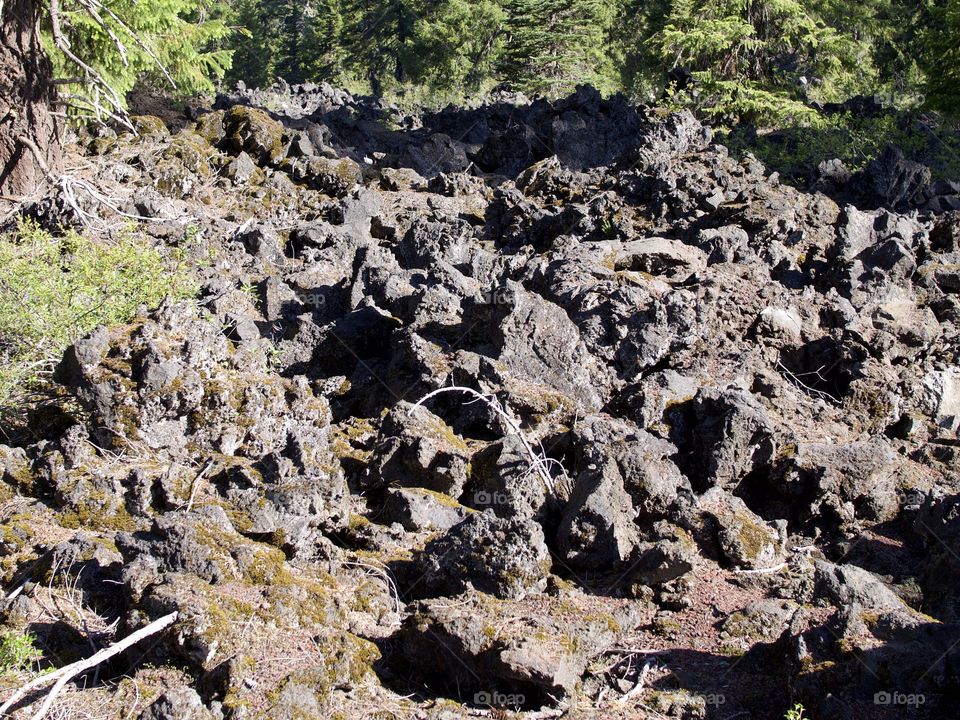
244 616
194 151
744 538
150 127
253 131
506 558
258 443
187 162
328 175
210 127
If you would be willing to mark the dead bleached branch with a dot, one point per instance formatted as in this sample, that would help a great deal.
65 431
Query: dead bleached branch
539 462
61 677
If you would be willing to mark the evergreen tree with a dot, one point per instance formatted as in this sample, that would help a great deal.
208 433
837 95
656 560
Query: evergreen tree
297 40
940 56
553 45
889 29
755 60
456 44
760 60
256 45
124 40
640 72
378 40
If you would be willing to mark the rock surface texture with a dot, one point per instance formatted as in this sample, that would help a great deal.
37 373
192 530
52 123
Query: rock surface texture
695 451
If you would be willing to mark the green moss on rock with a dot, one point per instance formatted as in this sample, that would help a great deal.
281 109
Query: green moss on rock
150 126
210 127
255 132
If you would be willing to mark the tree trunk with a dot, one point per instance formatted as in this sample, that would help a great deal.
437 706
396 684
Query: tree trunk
27 94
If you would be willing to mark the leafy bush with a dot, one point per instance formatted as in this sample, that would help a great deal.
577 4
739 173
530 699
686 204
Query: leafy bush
54 290
17 652
796 151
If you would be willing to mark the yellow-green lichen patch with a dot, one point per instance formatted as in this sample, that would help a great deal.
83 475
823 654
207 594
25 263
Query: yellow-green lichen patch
18 478
194 152
730 650
438 497
809 666
666 627
357 522
344 661
266 567
18 531
98 511
752 538
256 132
150 126
210 127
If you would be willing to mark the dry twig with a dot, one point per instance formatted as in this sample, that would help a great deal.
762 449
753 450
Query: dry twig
638 689
61 677
539 463
197 481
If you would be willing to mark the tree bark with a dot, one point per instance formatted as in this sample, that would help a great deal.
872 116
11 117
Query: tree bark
27 94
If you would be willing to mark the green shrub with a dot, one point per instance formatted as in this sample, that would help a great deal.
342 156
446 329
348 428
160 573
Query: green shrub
17 652
53 290
795 713
795 151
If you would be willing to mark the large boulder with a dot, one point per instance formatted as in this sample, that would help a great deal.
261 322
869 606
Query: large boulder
418 449
253 131
333 177
537 341
834 485
745 540
624 481
504 558
733 436
528 649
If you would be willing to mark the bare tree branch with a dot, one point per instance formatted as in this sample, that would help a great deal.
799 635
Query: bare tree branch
37 154
539 462
96 4
65 674
63 45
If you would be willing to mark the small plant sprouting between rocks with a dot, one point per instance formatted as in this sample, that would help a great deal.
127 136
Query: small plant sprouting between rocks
60 677
795 713
539 462
17 652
